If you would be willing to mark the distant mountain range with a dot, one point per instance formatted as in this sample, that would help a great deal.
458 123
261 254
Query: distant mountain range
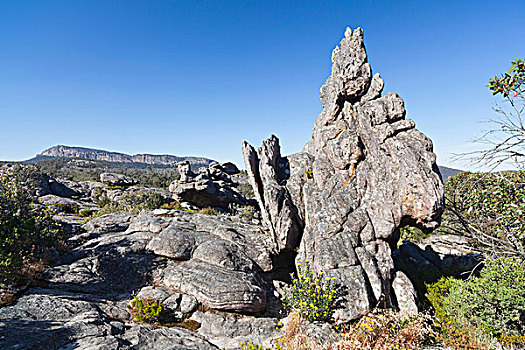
447 172
138 160
62 151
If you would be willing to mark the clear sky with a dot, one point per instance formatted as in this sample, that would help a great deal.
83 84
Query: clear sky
199 77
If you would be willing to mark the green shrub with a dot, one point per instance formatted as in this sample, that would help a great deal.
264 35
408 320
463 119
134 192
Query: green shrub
495 301
487 207
103 202
146 309
67 208
247 212
412 234
246 189
491 305
142 200
131 202
25 230
311 295
437 294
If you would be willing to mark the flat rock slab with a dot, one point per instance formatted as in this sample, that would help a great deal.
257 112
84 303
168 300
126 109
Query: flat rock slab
46 319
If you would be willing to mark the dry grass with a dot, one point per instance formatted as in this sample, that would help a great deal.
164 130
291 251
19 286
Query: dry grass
380 330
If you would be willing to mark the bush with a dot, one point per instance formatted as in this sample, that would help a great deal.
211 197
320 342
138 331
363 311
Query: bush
130 202
412 234
25 230
491 305
246 190
247 212
146 309
142 200
311 295
489 208
87 212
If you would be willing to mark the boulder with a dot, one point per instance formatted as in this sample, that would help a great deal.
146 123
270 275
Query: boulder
227 331
62 204
113 179
209 187
365 172
228 167
112 222
449 245
427 266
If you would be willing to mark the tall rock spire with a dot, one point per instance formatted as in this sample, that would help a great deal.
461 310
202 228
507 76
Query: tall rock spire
365 173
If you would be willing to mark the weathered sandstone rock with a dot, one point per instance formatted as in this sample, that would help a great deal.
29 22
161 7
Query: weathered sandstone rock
112 179
365 172
209 187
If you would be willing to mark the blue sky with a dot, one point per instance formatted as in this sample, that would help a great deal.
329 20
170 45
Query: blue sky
199 77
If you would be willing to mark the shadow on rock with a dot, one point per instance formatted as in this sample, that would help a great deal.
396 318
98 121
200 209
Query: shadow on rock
426 266
26 334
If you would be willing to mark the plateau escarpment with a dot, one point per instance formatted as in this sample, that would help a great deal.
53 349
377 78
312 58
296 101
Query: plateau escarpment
61 151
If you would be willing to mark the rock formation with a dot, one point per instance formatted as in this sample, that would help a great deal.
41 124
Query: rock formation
209 187
365 172
112 179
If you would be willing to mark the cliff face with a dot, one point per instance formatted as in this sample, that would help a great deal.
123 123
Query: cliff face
61 151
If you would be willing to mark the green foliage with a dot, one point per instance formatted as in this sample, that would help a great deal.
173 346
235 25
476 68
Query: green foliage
511 81
246 190
489 306
247 212
495 301
67 208
87 212
142 200
311 295
26 230
489 207
412 234
103 202
146 309
130 202
437 295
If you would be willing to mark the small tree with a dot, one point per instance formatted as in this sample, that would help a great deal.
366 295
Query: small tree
25 229
506 137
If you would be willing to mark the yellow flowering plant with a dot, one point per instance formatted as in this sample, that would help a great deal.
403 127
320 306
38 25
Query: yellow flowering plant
311 294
